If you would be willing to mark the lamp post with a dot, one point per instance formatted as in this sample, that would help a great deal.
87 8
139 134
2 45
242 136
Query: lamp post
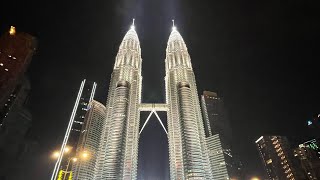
74 159
82 155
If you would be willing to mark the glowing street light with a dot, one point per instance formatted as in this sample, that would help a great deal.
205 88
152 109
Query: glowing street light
85 155
67 149
82 155
255 178
55 154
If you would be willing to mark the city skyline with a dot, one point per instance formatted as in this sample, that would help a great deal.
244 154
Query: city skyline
253 93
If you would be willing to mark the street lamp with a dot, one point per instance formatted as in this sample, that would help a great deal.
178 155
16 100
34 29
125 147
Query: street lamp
255 178
67 149
81 155
73 159
55 154
84 155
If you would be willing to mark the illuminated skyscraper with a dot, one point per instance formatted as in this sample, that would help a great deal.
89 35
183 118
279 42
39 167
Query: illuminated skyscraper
87 95
187 146
76 121
16 50
277 158
89 142
217 158
119 151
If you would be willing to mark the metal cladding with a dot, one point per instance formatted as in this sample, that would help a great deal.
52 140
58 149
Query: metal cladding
187 146
119 149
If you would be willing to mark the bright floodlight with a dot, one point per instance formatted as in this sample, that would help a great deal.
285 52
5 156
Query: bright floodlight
74 159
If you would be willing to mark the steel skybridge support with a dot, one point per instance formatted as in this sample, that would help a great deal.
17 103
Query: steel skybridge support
153 108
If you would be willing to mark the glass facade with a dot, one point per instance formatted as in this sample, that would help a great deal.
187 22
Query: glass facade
217 158
89 142
224 164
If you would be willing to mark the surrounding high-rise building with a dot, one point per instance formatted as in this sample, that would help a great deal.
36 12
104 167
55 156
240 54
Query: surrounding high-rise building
75 125
224 165
217 158
308 154
16 122
277 158
89 142
87 94
215 117
16 102
16 50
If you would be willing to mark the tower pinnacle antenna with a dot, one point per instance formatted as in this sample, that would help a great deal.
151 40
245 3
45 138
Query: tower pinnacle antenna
132 26
173 26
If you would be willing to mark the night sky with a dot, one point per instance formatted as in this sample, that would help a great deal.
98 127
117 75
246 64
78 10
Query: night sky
260 56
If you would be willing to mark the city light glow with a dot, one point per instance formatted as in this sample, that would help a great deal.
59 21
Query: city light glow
55 154
84 155
254 178
12 30
67 149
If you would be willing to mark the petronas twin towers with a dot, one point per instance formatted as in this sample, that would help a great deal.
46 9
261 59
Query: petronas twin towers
118 152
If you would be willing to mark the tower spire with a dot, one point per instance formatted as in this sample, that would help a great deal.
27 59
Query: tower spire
173 26
132 26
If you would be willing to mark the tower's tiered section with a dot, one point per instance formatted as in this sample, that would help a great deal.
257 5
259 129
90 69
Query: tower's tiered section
119 150
187 146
